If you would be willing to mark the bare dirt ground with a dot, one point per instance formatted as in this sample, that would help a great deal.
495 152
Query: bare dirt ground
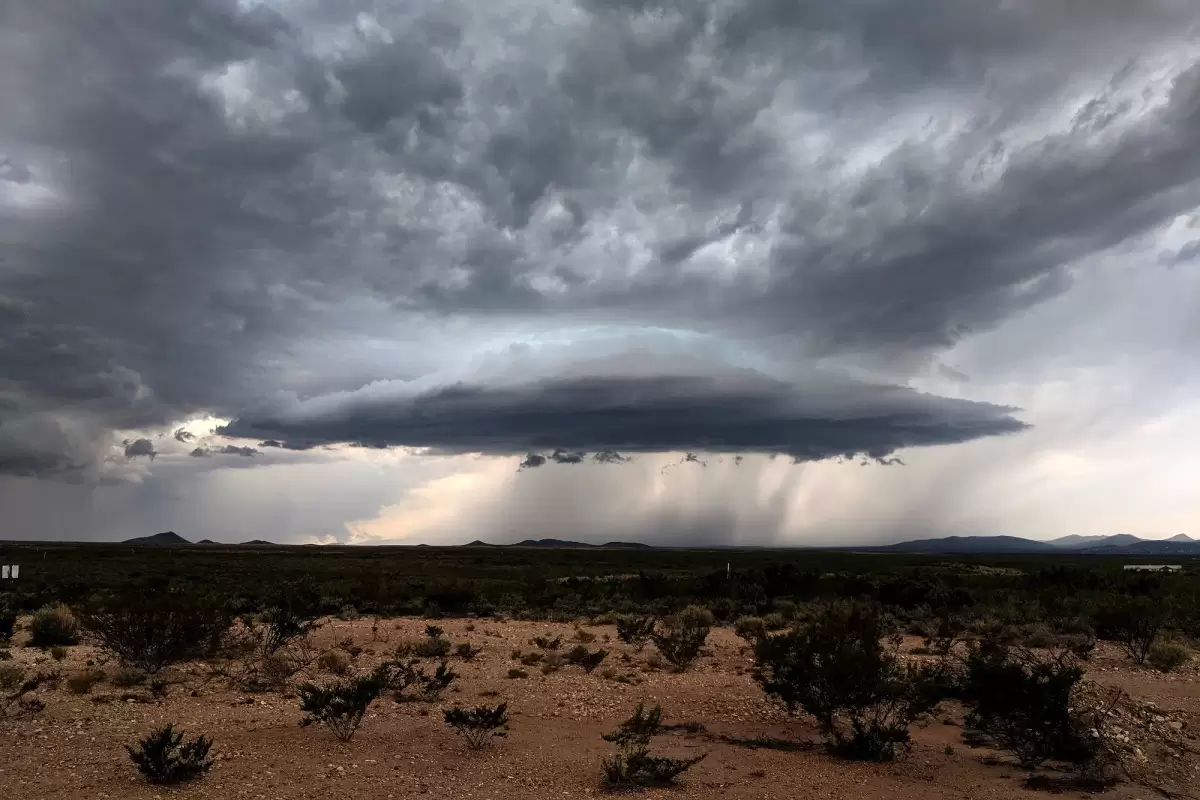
73 749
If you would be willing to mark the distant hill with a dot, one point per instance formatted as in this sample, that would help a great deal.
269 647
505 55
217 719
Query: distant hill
260 542
972 544
166 537
206 541
1075 540
1165 547
566 544
1123 544
1120 540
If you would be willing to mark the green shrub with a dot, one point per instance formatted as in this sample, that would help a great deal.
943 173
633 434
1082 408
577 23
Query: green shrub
750 628
546 642
635 630
51 626
775 622
683 635
582 657
478 726
1133 623
1024 702
585 637
632 765
159 687
58 652
341 706
334 661
276 670
836 668
1038 635
1168 656
10 675
530 659
466 651
289 615
432 647
126 676
164 758
151 631
83 681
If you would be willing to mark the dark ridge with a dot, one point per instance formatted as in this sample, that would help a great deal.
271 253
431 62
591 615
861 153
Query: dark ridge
551 543
166 537
206 541
972 544
260 542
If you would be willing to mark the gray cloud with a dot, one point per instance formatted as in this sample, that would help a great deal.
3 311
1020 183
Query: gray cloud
224 450
140 447
243 202
729 413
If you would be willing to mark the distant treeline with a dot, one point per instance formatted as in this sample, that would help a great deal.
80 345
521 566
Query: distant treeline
436 581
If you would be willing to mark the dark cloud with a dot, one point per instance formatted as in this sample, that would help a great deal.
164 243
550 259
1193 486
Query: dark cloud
207 206
225 450
735 413
140 447
184 436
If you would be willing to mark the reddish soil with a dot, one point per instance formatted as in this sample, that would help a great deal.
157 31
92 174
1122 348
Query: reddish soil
73 749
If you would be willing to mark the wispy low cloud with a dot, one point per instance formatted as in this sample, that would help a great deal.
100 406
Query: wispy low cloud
226 450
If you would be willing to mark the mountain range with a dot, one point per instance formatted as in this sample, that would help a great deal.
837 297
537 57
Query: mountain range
564 543
1119 544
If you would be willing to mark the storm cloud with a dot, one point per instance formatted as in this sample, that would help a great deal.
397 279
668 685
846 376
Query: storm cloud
740 412
572 232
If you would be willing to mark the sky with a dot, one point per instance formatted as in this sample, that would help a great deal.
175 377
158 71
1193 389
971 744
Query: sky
682 272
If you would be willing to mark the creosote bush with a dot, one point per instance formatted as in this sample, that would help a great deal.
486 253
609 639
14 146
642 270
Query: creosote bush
1133 623
163 756
334 661
546 642
1168 656
341 706
516 673
83 681
126 676
1023 701
634 629
289 615
683 635
10 675
633 765
582 657
152 631
478 726
750 628
58 652
836 668
52 626
466 651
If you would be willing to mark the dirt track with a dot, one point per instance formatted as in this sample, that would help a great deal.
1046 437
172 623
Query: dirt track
73 748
